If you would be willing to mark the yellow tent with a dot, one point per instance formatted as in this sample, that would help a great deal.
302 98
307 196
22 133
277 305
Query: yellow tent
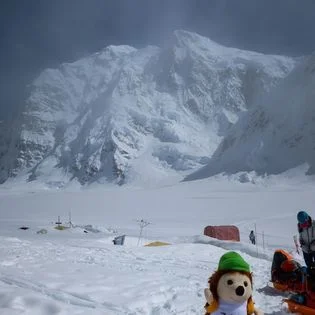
157 243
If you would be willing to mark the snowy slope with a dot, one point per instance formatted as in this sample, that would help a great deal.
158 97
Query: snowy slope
5 140
3 133
72 272
277 135
111 115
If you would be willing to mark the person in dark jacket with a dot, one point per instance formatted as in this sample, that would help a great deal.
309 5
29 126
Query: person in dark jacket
252 237
306 229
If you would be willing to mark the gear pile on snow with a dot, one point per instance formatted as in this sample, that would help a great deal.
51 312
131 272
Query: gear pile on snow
287 275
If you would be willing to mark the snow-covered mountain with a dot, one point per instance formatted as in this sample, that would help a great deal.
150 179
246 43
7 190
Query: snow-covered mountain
277 135
4 140
126 114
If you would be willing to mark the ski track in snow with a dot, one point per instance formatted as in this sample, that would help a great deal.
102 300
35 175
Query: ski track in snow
55 294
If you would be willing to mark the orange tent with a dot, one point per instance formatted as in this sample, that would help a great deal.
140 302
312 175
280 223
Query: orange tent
223 232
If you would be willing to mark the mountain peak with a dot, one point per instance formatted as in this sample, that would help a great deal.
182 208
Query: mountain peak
125 115
190 38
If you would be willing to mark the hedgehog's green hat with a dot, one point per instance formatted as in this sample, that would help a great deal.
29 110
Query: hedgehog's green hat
233 261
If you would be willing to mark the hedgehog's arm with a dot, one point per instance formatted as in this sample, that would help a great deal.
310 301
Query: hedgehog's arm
251 309
258 312
209 296
212 304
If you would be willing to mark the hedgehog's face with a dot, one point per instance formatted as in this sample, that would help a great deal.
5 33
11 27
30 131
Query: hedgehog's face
234 287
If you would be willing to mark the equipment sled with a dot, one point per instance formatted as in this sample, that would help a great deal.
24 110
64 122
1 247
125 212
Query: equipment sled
288 275
301 309
303 302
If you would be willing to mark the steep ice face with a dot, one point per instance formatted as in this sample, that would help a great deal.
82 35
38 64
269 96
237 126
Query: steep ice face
5 141
277 135
124 114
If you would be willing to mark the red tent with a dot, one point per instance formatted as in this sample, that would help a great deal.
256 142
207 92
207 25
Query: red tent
223 232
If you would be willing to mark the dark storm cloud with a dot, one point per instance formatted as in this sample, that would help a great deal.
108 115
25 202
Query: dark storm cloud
36 34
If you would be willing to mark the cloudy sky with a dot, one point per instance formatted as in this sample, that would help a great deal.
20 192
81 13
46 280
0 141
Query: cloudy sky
36 34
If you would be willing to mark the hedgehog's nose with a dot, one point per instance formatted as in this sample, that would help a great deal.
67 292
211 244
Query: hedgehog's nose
240 290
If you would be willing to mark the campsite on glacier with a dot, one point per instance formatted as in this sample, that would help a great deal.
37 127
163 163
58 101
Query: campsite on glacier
179 137
72 272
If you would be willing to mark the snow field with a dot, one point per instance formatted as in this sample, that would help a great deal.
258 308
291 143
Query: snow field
72 272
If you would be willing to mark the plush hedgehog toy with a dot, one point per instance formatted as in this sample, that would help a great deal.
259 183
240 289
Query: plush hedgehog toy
231 288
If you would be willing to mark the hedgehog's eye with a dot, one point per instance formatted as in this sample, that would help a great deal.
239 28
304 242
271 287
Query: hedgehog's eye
245 283
230 282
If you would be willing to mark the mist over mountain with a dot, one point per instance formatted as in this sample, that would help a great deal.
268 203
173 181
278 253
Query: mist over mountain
126 115
275 136
36 35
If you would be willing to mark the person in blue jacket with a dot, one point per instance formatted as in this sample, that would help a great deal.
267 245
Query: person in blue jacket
306 229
